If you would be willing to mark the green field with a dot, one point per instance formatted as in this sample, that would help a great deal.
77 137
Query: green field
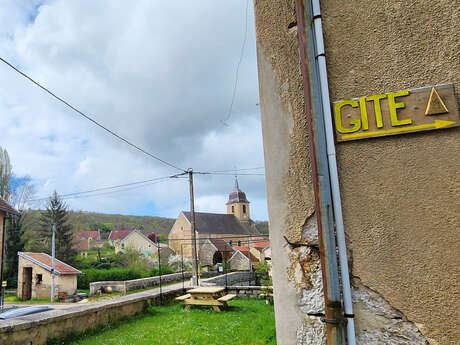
247 322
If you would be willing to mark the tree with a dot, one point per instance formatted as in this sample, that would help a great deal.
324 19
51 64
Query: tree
57 213
5 174
21 191
14 243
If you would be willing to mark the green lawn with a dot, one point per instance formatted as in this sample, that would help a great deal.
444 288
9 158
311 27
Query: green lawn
247 322
16 300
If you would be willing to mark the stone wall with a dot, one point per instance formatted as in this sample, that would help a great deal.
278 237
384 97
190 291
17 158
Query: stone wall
400 194
36 329
229 279
136 284
250 291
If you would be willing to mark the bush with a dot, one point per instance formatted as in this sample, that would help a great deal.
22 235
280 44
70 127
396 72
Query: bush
164 270
175 262
118 274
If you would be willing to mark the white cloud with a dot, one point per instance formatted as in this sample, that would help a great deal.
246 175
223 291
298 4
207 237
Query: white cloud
159 73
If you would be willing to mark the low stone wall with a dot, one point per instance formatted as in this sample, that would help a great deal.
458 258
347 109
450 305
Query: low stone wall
142 283
36 329
250 291
230 279
136 284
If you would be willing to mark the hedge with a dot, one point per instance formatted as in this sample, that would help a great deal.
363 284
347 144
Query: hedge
115 274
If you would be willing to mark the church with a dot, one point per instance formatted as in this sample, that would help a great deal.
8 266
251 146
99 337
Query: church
235 226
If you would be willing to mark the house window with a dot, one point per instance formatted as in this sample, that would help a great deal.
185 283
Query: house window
123 246
233 209
239 243
39 279
244 208
231 242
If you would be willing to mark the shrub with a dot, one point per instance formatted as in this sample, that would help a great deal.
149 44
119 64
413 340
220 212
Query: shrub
164 270
117 274
175 262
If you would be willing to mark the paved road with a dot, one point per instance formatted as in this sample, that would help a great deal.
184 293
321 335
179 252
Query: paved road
66 306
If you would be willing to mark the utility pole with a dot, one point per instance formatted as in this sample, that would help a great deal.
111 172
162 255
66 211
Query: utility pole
193 229
52 261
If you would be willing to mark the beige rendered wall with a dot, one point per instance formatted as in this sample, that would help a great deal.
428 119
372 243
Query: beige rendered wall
181 230
134 241
238 211
401 194
63 283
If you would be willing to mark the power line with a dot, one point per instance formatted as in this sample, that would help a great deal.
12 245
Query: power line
238 67
89 118
229 174
233 170
104 188
113 192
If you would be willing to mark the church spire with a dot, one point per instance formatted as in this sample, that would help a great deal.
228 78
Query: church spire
237 187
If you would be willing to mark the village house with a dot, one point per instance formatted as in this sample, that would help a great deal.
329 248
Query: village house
242 259
34 277
86 240
236 225
118 235
214 250
136 240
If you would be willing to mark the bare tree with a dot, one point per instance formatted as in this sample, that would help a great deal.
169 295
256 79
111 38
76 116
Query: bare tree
5 174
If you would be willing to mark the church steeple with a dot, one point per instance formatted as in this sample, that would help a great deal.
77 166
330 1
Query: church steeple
237 203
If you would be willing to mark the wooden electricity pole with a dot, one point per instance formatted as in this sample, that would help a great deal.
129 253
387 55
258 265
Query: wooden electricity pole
193 230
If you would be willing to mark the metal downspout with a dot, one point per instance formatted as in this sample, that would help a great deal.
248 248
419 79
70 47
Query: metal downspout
320 174
333 174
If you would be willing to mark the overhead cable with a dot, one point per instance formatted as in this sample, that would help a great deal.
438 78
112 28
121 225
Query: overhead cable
230 109
90 118
142 183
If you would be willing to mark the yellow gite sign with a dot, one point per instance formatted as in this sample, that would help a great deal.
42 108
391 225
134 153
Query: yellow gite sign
396 112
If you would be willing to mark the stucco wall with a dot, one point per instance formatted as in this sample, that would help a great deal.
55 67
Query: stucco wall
238 211
180 230
62 283
400 194
134 241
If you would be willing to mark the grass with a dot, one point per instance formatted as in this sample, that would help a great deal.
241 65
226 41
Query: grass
16 300
247 322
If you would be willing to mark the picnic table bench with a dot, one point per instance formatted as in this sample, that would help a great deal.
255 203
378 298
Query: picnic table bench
211 296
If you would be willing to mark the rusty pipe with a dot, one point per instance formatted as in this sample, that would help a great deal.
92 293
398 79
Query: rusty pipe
320 175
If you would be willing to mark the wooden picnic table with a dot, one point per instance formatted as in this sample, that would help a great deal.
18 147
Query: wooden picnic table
211 296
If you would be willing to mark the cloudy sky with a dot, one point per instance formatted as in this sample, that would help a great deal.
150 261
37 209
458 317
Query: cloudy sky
159 73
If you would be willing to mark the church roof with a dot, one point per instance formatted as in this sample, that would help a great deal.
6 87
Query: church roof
217 223
237 196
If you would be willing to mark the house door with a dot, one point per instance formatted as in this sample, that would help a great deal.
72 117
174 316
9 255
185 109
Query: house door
27 283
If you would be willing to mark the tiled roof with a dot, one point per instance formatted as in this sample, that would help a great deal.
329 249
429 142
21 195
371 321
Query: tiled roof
44 260
5 207
260 244
217 223
94 234
242 249
152 236
119 234
221 245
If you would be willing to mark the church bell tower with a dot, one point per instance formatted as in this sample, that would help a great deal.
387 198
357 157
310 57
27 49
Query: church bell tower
237 204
